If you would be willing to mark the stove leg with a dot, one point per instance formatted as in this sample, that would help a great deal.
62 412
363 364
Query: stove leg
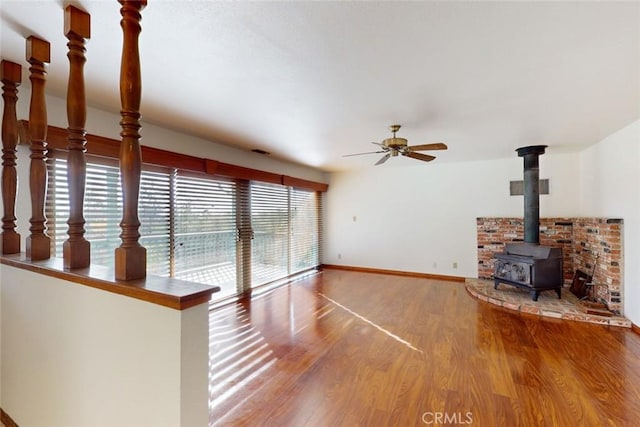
534 295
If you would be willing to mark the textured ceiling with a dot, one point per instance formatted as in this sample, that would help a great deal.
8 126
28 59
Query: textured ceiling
312 81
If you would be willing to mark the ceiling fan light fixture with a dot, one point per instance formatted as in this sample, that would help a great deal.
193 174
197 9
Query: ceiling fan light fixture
395 142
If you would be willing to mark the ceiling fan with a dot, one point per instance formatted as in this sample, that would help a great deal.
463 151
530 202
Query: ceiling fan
394 146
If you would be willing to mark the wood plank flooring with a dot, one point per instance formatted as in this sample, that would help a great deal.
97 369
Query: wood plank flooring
345 348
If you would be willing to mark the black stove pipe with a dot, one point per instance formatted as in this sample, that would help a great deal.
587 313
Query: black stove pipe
531 192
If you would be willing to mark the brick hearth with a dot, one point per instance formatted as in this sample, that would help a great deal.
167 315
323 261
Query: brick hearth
585 242
548 304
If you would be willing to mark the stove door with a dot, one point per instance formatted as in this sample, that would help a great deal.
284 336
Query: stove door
518 272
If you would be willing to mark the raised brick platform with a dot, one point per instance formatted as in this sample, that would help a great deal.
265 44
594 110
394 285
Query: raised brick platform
548 304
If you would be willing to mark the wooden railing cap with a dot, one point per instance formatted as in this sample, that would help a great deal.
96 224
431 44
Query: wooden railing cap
10 72
38 50
77 22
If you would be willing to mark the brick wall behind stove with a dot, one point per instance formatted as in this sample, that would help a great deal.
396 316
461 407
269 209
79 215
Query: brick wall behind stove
581 239
493 233
598 243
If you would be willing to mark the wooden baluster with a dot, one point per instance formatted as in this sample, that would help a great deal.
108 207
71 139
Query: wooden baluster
38 243
131 257
77 27
11 76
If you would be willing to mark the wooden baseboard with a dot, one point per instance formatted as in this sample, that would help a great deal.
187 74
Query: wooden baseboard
395 272
635 328
6 419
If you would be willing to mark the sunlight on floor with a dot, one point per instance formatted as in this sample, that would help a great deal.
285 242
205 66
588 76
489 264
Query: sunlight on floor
238 356
375 325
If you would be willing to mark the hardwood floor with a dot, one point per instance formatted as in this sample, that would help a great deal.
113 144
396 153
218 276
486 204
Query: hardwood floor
345 349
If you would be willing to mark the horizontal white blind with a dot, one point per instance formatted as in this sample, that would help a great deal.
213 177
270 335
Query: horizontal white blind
233 234
270 224
154 213
205 231
102 209
57 204
103 212
304 229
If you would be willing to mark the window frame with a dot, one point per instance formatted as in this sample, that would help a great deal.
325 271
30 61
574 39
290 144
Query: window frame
244 223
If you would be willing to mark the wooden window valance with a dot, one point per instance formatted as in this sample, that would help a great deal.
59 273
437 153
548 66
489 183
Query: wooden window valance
107 147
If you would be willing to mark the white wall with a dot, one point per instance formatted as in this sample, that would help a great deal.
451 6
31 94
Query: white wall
77 356
420 217
107 125
610 177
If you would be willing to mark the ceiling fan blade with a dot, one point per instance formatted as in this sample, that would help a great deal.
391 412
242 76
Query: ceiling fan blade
360 154
419 156
383 159
378 143
434 146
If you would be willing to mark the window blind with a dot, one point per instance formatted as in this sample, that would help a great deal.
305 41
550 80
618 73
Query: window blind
103 212
102 209
304 226
270 225
57 204
205 231
236 234
154 213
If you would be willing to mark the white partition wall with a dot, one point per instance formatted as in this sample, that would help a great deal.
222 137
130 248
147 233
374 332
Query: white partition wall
73 355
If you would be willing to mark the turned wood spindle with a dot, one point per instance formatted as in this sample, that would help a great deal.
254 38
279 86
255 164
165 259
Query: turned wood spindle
131 257
11 76
38 243
77 27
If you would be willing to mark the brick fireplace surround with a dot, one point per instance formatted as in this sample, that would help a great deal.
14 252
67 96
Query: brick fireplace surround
582 241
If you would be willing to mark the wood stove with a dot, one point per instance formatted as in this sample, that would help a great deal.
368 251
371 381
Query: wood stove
529 265
534 267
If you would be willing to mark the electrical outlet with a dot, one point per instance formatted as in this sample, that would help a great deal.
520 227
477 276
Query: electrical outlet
339 256
455 265
435 265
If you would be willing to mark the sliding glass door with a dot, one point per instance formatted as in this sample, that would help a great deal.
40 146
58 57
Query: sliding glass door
233 233
205 232
270 225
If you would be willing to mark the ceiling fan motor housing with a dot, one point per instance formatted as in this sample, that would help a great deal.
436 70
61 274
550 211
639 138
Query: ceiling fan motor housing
395 142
